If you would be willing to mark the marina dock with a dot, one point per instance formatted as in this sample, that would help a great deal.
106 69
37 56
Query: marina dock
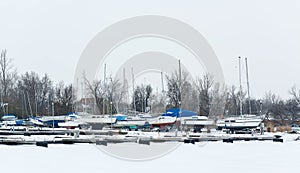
105 137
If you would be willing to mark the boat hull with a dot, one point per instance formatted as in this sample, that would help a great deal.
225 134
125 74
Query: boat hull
162 121
239 123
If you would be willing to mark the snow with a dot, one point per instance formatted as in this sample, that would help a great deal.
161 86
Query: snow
252 156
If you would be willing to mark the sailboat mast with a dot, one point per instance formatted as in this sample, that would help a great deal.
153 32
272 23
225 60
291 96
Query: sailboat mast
124 90
240 78
162 82
248 86
179 69
180 96
104 82
134 106
163 90
77 96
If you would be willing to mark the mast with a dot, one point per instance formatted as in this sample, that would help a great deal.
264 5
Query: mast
29 104
162 82
124 79
25 104
77 96
35 99
104 81
240 78
134 106
111 103
163 91
248 86
179 69
84 95
124 91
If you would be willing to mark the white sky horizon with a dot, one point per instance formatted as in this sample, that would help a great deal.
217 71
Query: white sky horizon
49 36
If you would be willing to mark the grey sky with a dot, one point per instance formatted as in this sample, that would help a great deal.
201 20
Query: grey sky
48 37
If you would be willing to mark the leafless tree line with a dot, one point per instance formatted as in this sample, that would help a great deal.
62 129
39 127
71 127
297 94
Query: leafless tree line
202 95
30 94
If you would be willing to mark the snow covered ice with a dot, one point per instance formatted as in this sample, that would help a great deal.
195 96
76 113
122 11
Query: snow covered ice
253 156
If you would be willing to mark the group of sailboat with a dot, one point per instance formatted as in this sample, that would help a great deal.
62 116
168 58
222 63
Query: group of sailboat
171 117
242 121
183 117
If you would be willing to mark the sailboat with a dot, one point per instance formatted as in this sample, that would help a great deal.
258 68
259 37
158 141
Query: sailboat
239 123
243 121
162 121
131 121
9 120
71 121
168 118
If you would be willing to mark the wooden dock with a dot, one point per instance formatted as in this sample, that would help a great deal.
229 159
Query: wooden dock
8 132
104 137
105 141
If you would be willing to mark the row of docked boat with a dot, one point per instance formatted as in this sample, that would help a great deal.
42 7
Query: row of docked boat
169 119
42 121
172 118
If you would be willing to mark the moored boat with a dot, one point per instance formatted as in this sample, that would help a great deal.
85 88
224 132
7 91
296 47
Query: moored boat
198 121
239 123
162 121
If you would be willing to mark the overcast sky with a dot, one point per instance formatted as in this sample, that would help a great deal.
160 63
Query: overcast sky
48 37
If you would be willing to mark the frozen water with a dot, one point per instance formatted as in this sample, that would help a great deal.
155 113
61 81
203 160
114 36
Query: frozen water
253 156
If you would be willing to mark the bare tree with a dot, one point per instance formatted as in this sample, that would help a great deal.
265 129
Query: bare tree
7 78
96 89
217 101
204 86
114 91
293 105
158 103
142 98
274 106
45 95
231 107
35 93
63 99
122 98
179 88
173 92
106 95
295 94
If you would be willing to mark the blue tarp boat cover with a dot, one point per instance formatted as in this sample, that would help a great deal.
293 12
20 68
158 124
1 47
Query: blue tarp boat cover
120 117
19 122
175 113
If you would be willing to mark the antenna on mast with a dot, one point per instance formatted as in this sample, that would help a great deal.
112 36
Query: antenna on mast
248 86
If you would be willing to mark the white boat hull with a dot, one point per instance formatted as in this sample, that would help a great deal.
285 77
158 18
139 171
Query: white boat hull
69 124
162 121
197 121
238 123
100 120
131 123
